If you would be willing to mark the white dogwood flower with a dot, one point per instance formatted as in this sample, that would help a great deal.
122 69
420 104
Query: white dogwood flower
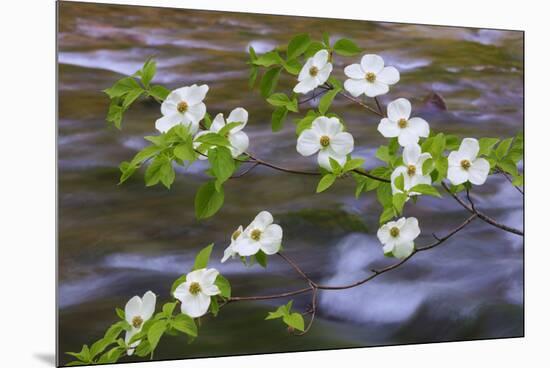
325 136
370 77
230 250
237 138
413 159
464 165
398 236
194 294
262 234
314 73
399 123
183 106
137 312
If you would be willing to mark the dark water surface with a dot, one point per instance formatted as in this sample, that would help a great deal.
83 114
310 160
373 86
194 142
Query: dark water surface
119 241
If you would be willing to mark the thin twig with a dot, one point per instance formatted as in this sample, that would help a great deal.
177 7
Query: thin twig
297 268
499 170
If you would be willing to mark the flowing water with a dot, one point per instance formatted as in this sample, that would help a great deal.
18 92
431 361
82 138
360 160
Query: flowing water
119 241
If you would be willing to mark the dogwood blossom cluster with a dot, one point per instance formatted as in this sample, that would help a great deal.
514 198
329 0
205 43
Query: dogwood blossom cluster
413 159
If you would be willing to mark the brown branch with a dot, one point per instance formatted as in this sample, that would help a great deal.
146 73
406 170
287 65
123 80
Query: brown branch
481 215
379 106
298 269
313 311
499 170
358 101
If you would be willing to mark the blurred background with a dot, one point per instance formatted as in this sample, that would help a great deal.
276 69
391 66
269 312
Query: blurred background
119 241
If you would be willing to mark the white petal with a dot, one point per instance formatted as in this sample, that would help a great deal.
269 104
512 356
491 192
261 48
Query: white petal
469 148
354 71
410 229
388 128
132 308
457 175
323 159
383 234
355 87
246 247
165 123
306 85
372 63
211 290
455 158
308 143
420 127
478 171
399 109
327 126
342 143
320 58
411 154
262 220
324 73
423 157
376 88
182 291
195 276
218 123
209 277
179 94
304 73
388 75
196 94
239 143
238 115
169 107
271 239
407 137
228 252
195 305
394 175
196 113
403 249
128 337
148 305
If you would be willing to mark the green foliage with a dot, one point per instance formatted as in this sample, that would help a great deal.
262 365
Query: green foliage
203 257
269 81
208 200
278 118
297 46
346 47
223 284
326 100
294 320
326 182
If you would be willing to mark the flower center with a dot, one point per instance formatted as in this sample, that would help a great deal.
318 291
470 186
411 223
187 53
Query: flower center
194 288
324 141
402 123
411 170
465 164
236 234
137 321
394 231
256 234
313 71
370 77
182 106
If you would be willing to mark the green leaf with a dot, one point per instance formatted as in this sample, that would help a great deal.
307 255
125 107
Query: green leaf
508 166
214 306
426 189
155 332
384 195
159 92
346 47
223 284
326 100
208 200
294 320
126 170
292 66
278 99
486 145
145 154
335 166
313 48
185 151
297 46
115 113
278 118
326 182
148 71
203 257
268 59
261 258
221 163
269 81
252 76
326 39
180 280
160 170
120 313
185 324
168 309
518 181
441 165
399 200
213 139
122 87
428 166
292 105
503 147
399 182
382 153
353 164
305 122
112 355
131 96
387 215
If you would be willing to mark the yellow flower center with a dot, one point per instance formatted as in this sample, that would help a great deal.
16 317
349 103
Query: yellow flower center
394 231
370 77
256 234
313 71
137 321
402 123
324 141
194 288
465 164
411 170
236 234
183 106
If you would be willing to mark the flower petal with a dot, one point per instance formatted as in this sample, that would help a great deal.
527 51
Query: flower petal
320 59
457 175
179 94
469 148
403 249
399 109
195 276
166 122
324 73
132 308
388 75
394 175
383 234
454 159
239 143
169 106
306 85
262 220
228 252
407 137
196 94
327 126
420 126
148 305
271 239
196 113
372 63
478 171
182 291
323 159
128 337
308 143
342 143
411 154
376 88
209 277
354 71
211 290
218 123
304 72
238 115
388 128
246 247
355 87
410 229
195 305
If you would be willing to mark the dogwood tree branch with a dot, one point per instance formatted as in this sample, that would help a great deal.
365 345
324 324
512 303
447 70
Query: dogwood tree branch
479 214
499 170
